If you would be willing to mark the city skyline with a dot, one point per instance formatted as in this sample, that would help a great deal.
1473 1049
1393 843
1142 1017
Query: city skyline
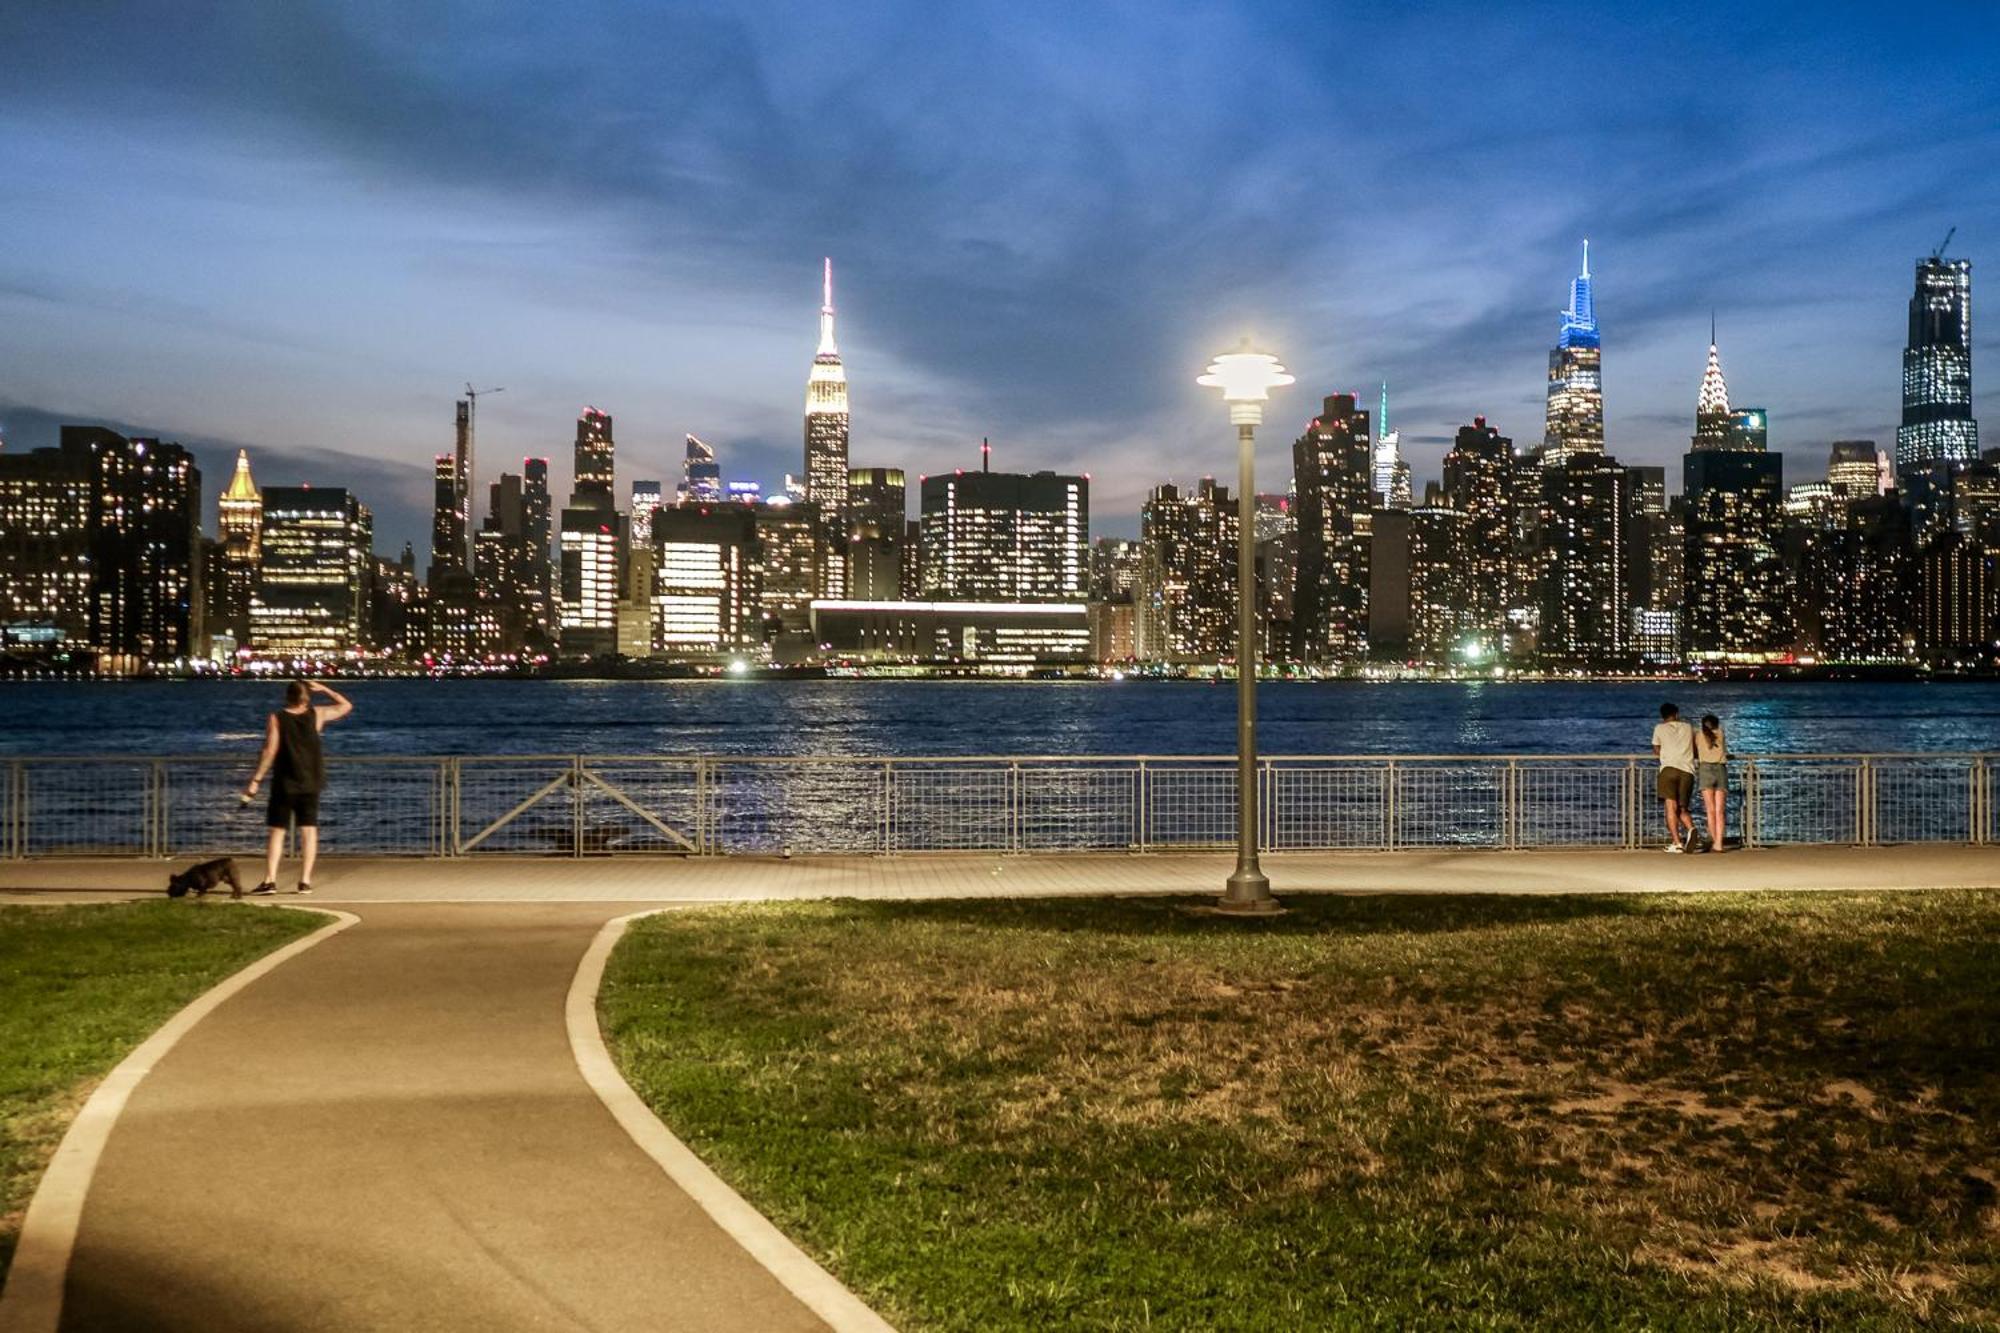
1063 330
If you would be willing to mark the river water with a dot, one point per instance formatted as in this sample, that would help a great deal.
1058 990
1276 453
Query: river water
918 718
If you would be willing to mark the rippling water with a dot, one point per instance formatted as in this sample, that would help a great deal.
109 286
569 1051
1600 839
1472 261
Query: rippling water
885 717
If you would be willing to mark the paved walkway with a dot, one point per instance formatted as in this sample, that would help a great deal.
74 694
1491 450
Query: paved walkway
986 875
390 1132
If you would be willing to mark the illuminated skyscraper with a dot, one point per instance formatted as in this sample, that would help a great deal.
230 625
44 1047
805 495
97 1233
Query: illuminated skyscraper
826 418
1576 387
1585 618
1854 470
876 546
592 544
1711 408
1185 594
1418 603
1734 606
701 475
647 496
318 552
1006 537
1476 484
1937 368
1333 477
447 520
1391 473
145 521
45 548
239 528
703 596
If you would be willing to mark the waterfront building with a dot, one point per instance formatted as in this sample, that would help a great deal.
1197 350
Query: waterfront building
1113 631
1114 569
1185 593
1526 557
393 606
701 475
1585 616
1956 604
877 548
1419 608
1333 481
1277 536
45 549
318 553
536 569
510 566
1476 484
1655 544
1937 424
827 418
1005 537
704 593
1854 601
1004 634
145 533
1575 410
1391 473
592 545
788 576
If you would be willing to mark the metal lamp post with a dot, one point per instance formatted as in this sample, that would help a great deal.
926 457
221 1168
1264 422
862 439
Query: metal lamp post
1246 379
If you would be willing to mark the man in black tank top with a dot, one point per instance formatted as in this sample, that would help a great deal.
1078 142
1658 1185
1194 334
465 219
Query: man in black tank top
292 749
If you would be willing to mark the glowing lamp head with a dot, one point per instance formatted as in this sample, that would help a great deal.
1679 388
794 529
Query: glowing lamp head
1245 376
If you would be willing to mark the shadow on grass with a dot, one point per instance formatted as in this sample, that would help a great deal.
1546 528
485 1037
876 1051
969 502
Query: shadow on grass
1305 914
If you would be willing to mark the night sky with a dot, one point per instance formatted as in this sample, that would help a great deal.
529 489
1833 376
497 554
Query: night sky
303 227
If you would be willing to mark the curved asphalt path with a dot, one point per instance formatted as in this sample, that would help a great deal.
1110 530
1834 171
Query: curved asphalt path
390 1132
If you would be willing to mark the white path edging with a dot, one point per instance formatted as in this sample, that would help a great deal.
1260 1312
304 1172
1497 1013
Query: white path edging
32 1299
818 1290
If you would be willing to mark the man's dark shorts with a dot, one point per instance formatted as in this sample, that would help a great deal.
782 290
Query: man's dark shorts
1675 784
283 809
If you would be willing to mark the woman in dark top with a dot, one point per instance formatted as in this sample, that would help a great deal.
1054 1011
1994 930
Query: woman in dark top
291 747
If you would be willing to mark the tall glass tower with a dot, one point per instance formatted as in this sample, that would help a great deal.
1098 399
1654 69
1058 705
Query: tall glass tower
826 418
1391 473
1937 368
1575 422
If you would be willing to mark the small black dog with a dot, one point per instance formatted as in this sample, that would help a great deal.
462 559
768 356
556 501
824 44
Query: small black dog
200 879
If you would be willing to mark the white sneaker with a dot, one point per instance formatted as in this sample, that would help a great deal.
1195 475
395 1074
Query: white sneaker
1673 847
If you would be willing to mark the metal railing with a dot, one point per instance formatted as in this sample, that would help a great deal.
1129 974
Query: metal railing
577 805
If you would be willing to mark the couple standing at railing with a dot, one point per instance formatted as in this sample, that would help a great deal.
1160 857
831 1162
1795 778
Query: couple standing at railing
1691 759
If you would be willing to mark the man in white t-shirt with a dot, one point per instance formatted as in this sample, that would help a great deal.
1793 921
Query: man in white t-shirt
1673 742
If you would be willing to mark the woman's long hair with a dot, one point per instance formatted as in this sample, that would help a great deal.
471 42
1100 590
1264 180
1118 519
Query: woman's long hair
1709 728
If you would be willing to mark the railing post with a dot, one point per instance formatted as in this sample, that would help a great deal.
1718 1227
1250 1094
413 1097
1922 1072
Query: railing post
1979 797
1629 792
888 806
1013 806
576 804
701 805
14 819
1142 793
1752 800
1510 805
1864 804
451 809
1389 805
156 802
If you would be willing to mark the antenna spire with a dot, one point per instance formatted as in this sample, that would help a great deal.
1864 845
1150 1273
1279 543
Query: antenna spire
826 347
1586 256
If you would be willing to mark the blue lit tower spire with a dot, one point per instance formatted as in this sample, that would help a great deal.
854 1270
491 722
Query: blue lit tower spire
1579 322
1575 422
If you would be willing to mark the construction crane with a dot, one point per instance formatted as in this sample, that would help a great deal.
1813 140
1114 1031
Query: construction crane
1938 253
468 493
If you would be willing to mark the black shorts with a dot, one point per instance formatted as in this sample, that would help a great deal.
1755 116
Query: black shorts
283 809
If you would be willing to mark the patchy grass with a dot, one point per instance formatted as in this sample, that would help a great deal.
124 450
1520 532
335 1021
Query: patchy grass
1724 1111
80 987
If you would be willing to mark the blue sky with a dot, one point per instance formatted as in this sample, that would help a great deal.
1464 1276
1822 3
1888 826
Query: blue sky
302 227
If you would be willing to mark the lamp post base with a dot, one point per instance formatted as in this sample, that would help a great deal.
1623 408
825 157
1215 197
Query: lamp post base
1248 894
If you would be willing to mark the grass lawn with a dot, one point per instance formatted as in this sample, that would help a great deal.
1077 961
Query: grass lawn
1723 1111
80 987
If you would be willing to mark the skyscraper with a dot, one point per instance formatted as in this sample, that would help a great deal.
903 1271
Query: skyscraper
701 475
1711 407
1476 484
1006 537
447 520
592 544
703 596
1391 473
1576 390
647 496
1185 594
1332 474
1734 604
145 521
1937 368
826 418
318 548
1418 603
1585 620
45 548
876 548
239 528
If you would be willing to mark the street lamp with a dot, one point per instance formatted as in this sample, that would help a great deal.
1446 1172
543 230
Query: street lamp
1246 379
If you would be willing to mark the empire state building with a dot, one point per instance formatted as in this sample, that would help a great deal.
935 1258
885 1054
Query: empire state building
826 419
